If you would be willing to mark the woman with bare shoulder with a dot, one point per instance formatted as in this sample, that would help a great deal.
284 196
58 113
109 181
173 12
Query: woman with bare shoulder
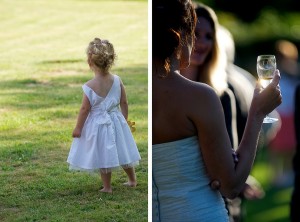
190 141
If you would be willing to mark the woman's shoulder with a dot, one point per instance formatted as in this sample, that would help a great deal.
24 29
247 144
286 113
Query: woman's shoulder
201 90
200 98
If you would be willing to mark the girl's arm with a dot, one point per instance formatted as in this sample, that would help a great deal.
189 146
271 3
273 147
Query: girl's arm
83 113
123 102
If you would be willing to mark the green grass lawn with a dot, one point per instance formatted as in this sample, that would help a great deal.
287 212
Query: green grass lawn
42 68
274 207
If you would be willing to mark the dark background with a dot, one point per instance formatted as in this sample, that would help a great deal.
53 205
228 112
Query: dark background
256 25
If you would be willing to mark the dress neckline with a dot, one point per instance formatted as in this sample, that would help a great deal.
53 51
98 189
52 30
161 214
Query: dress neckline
180 141
108 90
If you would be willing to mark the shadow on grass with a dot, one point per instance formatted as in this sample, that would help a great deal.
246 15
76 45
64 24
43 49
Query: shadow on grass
33 110
63 61
38 93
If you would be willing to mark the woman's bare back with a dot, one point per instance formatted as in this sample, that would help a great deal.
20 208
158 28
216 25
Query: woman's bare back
177 101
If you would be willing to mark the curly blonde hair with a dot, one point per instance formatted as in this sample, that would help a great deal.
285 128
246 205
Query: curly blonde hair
101 53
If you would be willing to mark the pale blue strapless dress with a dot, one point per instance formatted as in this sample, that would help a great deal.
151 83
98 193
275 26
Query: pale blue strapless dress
180 185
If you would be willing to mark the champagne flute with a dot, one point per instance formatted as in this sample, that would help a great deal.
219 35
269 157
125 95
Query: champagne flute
266 66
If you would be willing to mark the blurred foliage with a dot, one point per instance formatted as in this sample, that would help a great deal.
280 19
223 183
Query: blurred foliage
257 25
248 11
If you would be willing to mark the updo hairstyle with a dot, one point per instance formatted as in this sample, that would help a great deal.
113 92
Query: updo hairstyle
174 24
101 53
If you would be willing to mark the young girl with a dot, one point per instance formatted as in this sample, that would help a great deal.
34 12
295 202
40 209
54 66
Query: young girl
102 138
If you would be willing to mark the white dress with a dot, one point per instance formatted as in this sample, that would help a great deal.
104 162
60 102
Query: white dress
106 141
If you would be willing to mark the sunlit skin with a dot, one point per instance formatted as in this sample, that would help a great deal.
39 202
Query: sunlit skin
203 46
203 117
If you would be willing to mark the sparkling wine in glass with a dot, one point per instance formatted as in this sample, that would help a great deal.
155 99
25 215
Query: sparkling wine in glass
266 66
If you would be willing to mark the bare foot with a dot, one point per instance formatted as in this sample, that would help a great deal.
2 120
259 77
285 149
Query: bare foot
106 190
130 184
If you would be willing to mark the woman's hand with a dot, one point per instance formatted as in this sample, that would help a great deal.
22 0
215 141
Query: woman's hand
266 100
252 189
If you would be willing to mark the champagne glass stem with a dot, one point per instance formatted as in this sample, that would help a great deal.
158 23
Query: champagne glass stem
266 66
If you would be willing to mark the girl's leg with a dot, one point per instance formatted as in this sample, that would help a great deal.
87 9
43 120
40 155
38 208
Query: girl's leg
106 179
131 177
